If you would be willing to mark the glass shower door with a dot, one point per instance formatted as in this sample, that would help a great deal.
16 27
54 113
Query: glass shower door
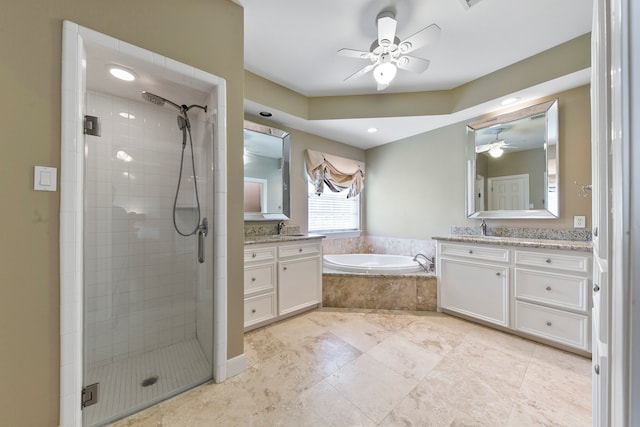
147 300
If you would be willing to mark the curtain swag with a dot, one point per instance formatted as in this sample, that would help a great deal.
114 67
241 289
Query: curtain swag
335 172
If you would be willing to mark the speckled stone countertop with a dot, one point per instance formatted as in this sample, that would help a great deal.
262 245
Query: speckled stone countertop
571 245
278 238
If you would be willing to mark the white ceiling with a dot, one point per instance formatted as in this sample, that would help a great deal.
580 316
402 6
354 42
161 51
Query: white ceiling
294 43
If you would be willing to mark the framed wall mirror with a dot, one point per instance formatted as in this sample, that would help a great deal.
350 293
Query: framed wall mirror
512 164
266 173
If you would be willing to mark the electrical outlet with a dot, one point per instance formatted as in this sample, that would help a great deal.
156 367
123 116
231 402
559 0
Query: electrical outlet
579 221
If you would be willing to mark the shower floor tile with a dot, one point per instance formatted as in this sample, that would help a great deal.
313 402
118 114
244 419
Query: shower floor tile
177 368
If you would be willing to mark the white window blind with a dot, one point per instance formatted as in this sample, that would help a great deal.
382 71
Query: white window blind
332 212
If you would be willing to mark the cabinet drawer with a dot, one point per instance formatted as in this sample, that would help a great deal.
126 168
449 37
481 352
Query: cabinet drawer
475 252
259 278
561 290
300 249
260 254
552 260
259 308
556 325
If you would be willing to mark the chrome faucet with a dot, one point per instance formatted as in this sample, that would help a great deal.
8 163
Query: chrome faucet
425 267
483 227
280 227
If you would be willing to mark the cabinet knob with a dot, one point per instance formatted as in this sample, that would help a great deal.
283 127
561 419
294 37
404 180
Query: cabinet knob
300 250
595 231
253 255
284 268
470 251
548 261
548 323
596 288
548 288
253 279
253 311
596 369
498 273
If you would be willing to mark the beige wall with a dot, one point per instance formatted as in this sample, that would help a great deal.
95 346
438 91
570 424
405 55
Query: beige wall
416 186
30 64
301 141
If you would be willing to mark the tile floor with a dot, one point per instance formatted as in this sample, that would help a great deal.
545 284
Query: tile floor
333 367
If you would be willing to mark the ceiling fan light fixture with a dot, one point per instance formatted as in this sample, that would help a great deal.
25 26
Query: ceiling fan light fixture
384 73
495 151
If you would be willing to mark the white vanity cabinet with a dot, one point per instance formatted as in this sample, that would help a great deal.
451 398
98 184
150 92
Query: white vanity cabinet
537 292
552 296
477 282
260 281
281 279
299 276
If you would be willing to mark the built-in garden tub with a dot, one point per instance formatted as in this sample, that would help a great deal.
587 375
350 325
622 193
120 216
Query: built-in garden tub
377 281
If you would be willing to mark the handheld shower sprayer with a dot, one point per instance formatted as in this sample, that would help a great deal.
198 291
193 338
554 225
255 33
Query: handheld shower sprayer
185 127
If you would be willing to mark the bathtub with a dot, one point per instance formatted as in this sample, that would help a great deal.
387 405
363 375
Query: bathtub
372 263
374 281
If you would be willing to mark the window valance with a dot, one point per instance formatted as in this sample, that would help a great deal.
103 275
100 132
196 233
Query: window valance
337 173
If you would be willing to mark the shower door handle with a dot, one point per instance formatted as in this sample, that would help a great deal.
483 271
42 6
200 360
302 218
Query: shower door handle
203 229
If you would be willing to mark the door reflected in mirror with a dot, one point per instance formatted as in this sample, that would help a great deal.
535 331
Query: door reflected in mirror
512 164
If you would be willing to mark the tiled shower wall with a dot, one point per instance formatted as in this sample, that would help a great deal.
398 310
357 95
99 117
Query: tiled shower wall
140 275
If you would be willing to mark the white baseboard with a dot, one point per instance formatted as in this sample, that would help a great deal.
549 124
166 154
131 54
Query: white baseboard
236 366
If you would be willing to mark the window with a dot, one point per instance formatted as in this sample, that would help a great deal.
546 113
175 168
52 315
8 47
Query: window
332 212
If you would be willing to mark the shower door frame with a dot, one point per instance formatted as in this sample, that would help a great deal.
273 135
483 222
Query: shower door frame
76 39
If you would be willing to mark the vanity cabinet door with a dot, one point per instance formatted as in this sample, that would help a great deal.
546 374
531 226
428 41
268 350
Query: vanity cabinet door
477 290
299 283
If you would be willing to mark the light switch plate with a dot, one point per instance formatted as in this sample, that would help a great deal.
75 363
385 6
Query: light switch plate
579 221
45 178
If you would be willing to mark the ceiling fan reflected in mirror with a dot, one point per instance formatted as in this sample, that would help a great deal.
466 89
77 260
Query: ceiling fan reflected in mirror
494 148
388 52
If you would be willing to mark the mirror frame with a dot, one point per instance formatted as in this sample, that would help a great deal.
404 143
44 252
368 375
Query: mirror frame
550 109
286 149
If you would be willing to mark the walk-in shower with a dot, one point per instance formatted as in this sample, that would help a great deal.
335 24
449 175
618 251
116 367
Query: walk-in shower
147 333
141 319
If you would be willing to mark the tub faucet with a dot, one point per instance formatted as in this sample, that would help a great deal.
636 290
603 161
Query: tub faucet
425 267
483 227
280 227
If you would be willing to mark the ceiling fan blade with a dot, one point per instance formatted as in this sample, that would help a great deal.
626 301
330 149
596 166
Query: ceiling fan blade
383 86
419 39
386 29
360 72
483 148
354 53
413 63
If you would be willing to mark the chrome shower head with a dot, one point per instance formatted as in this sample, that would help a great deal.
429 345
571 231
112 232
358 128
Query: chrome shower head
158 100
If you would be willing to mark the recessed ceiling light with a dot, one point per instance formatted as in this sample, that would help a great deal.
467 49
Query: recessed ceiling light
127 115
510 101
122 73
372 130
265 114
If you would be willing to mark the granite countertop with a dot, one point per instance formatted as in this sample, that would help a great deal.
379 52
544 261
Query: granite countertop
572 245
277 238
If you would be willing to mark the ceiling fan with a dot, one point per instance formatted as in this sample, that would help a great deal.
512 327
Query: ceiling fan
494 148
388 52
